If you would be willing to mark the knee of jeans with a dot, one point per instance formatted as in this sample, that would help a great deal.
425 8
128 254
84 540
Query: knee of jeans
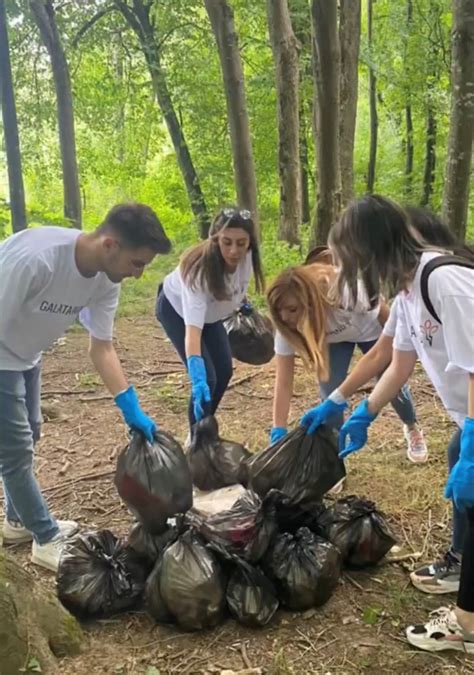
17 463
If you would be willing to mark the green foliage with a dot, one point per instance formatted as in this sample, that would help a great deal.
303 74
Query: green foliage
123 144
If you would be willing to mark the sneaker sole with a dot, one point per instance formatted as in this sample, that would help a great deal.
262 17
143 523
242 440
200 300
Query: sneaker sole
10 541
43 564
431 645
415 460
453 587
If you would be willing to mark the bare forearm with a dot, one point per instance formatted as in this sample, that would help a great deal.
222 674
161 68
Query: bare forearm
192 341
283 390
107 363
370 365
392 380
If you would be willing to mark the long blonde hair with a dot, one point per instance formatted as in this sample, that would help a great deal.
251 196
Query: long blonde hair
309 286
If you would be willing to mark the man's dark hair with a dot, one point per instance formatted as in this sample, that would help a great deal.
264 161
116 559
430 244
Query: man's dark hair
138 226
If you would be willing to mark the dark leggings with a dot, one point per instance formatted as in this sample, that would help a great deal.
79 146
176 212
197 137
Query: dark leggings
466 586
215 350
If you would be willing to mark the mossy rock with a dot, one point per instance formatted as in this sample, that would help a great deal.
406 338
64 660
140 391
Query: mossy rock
35 628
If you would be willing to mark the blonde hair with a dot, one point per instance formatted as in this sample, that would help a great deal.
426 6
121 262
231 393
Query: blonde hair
310 286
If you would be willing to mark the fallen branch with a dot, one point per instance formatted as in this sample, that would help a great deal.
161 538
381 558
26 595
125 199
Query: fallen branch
406 556
246 378
79 479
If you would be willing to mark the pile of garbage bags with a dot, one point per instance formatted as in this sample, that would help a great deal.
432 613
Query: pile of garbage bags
279 544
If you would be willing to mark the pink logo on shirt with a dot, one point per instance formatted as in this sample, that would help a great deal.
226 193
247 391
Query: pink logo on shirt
428 329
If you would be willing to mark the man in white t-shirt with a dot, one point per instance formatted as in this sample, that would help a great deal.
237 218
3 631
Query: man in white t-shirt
49 278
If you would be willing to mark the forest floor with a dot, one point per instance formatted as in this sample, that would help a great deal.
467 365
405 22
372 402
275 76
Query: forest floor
361 628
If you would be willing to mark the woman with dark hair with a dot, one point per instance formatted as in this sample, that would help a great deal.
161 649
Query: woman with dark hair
210 282
374 240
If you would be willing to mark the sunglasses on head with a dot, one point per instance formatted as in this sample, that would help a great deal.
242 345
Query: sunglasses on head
243 213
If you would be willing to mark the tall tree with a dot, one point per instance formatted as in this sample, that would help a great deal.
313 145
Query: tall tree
43 12
349 36
285 52
461 127
138 16
409 149
374 122
10 128
221 17
326 60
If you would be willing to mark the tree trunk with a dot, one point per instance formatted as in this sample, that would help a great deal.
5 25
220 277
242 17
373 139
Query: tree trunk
305 208
117 60
35 627
326 64
10 130
222 21
139 20
430 156
374 123
43 13
285 54
349 37
409 150
461 127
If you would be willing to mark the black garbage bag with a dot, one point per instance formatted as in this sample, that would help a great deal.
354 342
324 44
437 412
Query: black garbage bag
303 467
245 530
251 336
187 585
154 480
304 567
291 516
359 530
215 462
98 575
251 596
148 547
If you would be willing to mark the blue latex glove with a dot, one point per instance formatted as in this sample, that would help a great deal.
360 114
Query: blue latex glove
460 485
133 415
276 433
201 393
314 417
356 428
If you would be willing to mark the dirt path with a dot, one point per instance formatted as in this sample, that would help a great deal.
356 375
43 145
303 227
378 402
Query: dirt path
360 630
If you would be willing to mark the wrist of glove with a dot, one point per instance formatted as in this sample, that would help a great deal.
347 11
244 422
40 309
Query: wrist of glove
355 429
276 433
201 393
460 485
133 415
320 414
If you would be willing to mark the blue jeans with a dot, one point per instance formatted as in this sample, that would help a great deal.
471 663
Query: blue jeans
459 517
20 428
340 355
215 350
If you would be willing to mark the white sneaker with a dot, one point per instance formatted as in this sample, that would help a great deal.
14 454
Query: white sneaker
47 555
417 452
15 533
441 632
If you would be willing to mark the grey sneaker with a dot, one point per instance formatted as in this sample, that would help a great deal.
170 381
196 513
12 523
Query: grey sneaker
15 533
441 576
47 555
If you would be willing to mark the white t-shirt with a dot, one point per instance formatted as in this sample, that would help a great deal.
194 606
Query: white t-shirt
42 293
390 327
197 306
446 351
344 324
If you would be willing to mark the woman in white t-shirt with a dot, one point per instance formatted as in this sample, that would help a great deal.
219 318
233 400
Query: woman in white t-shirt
210 282
324 332
375 241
